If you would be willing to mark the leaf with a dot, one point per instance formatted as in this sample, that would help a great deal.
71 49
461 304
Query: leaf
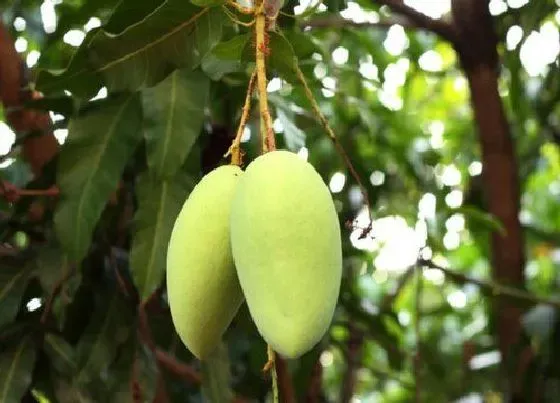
176 34
91 162
283 57
13 280
294 137
225 57
159 204
173 118
216 376
136 363
16 369
107 330
61 354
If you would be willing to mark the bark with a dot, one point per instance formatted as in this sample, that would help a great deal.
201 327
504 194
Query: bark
476 47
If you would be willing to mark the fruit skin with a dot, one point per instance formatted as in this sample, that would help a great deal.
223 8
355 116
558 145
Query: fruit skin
287 249
203 290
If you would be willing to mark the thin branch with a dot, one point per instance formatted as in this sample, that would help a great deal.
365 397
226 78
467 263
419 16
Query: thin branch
336 21
493 288
68 270
418 317
12 193
420 20
177 368
184 371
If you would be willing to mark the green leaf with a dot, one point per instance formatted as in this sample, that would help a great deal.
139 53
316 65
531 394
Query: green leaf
226 57
61 354
173 118
13 280
16 369
176 34
159 204
216 376
91 162
108 329
283 57
294 137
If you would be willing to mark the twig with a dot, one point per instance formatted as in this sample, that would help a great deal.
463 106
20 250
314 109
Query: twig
493 288
325 123
417 319
420 20
337 21
12 193
68 270
177 368
353 355
184 371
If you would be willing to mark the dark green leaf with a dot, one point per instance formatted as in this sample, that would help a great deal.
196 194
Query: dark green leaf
173 117
61 354
107 330
225 57
176 34
13 280
16 368
216 376
283 58
159 204
91 162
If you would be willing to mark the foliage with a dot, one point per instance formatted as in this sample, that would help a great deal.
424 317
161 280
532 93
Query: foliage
151 100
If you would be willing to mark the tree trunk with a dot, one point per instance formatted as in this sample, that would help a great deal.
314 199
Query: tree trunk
476 46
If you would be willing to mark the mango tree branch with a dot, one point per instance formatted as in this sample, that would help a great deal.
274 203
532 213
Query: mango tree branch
420 20
13 95
492 288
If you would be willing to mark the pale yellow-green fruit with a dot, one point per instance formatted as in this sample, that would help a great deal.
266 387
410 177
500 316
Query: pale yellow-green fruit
287 250
203 290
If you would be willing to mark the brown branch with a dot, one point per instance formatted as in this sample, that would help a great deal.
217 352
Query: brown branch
68 270
420 20
492 288
336 21
14 94
353 354
285 387
418 354
12 193
177 368
314 389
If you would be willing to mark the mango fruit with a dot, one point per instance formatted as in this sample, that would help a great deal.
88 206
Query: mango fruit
286 245
203 291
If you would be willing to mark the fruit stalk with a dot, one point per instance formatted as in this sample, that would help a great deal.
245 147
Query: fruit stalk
261 52
235 148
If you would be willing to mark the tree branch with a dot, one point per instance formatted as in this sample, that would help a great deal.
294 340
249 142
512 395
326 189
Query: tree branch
416 18
336 21
496 290
184 371
13 95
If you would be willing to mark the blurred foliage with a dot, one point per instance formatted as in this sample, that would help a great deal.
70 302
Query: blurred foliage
130 158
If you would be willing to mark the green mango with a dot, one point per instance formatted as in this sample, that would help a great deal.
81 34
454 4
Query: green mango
203 291
286 245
